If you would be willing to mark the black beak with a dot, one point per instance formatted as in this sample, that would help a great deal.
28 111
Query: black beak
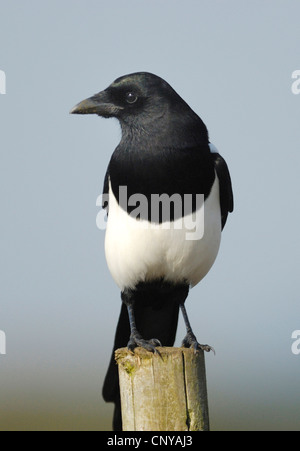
98 104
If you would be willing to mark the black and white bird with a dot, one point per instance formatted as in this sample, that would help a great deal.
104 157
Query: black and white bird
164 151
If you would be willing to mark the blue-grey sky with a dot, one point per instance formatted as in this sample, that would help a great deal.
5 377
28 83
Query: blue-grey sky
232 61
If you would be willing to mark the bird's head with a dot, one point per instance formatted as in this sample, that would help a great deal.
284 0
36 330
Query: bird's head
148 104
133 97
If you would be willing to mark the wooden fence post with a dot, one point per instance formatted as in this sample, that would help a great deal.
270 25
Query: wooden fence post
163 393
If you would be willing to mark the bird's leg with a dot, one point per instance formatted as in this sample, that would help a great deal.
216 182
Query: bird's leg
190 341
135 337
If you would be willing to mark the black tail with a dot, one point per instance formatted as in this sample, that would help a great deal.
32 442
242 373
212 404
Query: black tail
111 392
156 310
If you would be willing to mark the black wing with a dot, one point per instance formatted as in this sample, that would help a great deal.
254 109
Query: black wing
105 192
226 194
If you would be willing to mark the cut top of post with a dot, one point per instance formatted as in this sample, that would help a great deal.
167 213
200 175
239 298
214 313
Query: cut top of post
163 392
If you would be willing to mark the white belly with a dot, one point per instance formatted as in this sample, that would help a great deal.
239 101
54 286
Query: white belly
137 251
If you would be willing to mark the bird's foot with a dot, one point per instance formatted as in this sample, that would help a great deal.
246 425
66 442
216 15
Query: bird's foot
190 341
136 340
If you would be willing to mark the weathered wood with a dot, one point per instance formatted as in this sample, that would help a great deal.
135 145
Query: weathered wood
163 393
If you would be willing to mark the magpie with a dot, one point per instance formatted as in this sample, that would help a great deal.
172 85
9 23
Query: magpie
154 259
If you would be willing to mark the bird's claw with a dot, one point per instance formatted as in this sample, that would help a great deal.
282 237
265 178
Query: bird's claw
190 341
137 341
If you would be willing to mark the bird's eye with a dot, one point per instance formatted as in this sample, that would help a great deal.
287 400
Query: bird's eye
131 97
